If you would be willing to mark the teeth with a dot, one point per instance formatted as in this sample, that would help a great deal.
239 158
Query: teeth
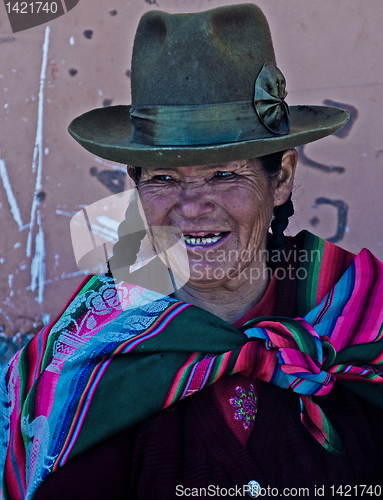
203 241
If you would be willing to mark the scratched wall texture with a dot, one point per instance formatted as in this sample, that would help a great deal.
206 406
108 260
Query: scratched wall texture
330 52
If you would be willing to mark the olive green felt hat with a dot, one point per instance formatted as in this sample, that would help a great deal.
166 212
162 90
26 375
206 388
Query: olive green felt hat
205 89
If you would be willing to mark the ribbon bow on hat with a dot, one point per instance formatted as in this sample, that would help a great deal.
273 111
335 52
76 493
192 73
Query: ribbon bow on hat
269 99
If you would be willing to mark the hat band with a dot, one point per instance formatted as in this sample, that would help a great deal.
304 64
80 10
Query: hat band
197 125
200 125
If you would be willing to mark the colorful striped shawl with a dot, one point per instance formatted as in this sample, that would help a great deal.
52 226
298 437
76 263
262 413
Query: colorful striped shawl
120 353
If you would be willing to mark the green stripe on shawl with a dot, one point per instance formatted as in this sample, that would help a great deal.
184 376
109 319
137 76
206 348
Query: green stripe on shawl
231 365
358 354
307 288
24 372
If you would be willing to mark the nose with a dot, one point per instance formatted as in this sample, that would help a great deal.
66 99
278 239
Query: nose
194 201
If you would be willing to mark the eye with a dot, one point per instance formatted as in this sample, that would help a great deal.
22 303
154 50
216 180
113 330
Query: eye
223 174
162 178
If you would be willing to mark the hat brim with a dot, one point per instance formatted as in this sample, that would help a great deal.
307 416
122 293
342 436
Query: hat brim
107 132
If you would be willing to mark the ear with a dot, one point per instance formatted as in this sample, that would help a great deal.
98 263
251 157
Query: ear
286 177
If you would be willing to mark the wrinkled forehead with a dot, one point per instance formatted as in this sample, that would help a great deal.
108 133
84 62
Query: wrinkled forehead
200 169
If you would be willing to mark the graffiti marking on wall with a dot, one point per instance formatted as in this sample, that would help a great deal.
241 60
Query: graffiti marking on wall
316 164
342 209
38 261
342 133
11 197
114 180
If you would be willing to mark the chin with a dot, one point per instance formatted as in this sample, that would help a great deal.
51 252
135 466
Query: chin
210 273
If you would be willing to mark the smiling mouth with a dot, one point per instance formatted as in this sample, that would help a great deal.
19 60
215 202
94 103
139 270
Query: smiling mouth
206 239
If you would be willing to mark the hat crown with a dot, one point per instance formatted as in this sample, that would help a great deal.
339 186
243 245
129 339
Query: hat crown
204 58
205 89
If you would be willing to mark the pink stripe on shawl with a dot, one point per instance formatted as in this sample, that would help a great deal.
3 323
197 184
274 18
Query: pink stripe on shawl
335 261
254 361
312 418
363 311
35 352
197 376
20 457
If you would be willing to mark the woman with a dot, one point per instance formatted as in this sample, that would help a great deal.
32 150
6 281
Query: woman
96 406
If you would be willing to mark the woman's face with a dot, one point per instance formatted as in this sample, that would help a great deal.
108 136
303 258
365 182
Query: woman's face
223 212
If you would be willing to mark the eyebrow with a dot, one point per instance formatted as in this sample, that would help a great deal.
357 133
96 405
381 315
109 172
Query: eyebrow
161 168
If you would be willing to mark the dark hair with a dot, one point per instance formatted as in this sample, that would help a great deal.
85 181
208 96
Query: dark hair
272 166
126 249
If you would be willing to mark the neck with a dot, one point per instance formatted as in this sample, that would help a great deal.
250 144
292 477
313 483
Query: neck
230 300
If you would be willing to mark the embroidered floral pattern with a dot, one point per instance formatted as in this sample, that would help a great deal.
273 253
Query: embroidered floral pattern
246 404
105 313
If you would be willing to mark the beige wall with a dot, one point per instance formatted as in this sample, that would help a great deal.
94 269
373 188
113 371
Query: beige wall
327 49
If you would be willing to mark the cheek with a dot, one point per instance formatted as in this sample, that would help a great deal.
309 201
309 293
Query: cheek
254 209
155 207
265 208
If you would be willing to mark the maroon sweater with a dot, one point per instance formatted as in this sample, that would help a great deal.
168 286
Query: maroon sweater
191 446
